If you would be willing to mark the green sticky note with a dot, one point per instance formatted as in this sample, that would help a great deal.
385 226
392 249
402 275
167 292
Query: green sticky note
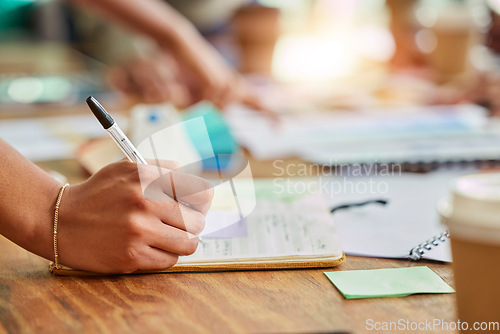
394 282
219 132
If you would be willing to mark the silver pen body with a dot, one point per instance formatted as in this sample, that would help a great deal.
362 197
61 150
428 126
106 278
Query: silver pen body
125 145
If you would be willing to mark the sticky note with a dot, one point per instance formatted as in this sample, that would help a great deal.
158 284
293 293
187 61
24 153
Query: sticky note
393 282
221 139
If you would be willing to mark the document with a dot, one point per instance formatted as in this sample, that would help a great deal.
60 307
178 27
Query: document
391 135
284 231
408 219
51 138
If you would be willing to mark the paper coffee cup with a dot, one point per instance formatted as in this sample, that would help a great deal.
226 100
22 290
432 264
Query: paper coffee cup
473 216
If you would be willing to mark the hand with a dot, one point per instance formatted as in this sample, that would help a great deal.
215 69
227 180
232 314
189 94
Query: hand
153 80
204 71
160 79
108 225
206 74
483 89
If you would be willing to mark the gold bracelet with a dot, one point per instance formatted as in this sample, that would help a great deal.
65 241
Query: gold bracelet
55 264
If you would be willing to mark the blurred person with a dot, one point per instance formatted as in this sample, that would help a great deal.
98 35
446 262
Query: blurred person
182 67
403 26
485 89
488 89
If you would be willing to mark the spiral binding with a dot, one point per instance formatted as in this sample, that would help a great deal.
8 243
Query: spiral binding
417 252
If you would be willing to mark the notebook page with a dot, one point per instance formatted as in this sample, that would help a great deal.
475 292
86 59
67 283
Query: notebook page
409 218
275 230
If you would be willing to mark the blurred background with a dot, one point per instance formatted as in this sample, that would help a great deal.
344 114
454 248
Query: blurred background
356 81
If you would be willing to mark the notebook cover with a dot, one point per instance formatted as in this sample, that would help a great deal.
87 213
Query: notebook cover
186 268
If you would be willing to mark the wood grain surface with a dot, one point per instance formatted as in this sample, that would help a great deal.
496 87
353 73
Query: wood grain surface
286 301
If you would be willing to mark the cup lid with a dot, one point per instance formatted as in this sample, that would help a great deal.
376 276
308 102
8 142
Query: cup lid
482 187
473 210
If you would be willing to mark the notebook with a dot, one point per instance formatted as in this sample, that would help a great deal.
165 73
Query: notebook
284 231
411 135
407 227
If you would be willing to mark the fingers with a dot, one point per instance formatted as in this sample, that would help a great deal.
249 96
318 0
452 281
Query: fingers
248 98
160 78
219 91
117 229
156 259
158 255
163 185
178 94
235 89
148 80
190 189
152 80
173 240
256 104
179 216
225 97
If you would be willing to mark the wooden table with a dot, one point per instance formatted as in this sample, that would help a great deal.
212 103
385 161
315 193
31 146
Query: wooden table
288 301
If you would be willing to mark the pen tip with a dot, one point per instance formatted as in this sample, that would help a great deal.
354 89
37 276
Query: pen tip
100 113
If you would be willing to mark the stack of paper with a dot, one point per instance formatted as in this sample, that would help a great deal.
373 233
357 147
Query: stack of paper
419 134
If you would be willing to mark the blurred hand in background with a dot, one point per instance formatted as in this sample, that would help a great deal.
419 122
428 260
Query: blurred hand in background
184 69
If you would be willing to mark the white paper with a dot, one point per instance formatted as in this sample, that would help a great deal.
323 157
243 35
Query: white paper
166 137
409 218
425 133
277 229
52 138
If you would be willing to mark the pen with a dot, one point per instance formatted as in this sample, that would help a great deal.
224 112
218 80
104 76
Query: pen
120 139
114 131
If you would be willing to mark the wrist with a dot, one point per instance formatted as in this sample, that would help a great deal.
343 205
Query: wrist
40 238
